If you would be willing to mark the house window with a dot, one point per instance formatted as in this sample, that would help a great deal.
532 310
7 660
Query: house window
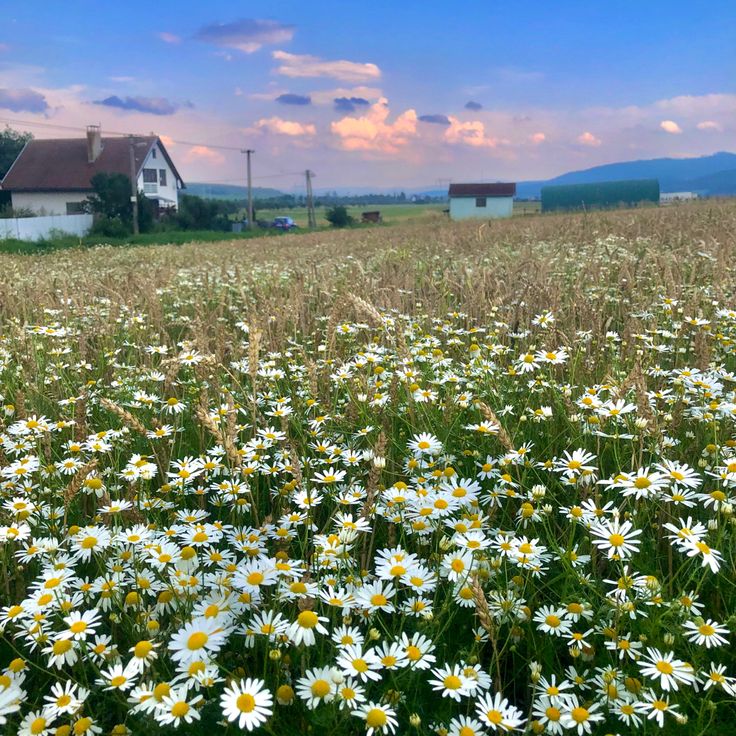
150 176
153 153
74 208
162 177
480 201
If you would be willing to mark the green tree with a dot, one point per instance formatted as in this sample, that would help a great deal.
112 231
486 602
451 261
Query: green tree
11 144
110 202
338 216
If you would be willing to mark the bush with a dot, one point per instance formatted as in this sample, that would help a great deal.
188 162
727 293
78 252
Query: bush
197 213
110 227
338 216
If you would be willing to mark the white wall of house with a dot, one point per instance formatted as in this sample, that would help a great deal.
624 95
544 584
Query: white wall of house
465 208
164 187
47 203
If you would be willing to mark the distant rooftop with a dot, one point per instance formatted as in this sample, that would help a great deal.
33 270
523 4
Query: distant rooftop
498 189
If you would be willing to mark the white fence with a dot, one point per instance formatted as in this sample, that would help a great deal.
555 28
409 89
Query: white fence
38 228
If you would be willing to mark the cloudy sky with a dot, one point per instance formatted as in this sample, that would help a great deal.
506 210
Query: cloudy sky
379 94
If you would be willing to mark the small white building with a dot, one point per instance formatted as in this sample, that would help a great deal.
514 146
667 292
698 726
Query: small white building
481 201
674 197
53 176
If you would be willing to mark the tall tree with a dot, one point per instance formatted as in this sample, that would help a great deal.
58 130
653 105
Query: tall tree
11 144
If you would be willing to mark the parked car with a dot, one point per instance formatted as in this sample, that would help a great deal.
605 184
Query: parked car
284 223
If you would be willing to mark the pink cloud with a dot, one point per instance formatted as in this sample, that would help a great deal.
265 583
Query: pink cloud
710 125
588 139
670 126
373 132
202 153
167 37
304 65
537 138
285 127
470 133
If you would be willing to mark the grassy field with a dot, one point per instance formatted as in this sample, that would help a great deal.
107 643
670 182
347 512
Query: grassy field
392 214
427 479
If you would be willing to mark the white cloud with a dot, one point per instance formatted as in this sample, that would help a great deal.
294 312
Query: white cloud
304 65
710 125
285 127
670 126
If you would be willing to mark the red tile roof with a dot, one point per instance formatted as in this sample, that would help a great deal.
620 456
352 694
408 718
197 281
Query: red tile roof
61 164
483 190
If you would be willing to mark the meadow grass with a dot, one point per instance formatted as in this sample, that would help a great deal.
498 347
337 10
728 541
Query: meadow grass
435 479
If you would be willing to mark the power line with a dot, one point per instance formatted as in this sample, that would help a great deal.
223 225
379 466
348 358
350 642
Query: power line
57 126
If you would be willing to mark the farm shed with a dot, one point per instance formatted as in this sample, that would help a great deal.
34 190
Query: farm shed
481 201
600 195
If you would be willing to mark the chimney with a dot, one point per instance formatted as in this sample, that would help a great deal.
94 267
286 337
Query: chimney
94 143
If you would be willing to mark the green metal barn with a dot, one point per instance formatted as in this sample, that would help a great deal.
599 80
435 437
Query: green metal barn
600 195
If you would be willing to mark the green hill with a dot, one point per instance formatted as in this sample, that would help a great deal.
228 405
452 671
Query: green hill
229 191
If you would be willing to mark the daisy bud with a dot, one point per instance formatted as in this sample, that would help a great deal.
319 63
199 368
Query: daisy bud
668 639
641 422
415 720
285 695
374 634
538 492
727 509
379 462
274 655
713 525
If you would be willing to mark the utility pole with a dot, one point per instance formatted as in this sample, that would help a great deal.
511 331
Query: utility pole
133 186
248 153
310 201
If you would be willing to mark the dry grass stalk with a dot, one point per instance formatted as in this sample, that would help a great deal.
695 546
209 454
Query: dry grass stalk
490 416
227 438
125 416
75 485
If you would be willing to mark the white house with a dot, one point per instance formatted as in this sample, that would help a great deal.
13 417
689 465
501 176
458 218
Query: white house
53 176
481 201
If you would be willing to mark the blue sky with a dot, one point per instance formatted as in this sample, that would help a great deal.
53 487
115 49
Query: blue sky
552 87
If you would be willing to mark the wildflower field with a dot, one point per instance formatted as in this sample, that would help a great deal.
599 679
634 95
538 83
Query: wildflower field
441 479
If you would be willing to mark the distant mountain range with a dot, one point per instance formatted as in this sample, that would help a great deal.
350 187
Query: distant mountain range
228 191
708 176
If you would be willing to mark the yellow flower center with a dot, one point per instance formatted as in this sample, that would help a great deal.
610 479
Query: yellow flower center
245 703
197 640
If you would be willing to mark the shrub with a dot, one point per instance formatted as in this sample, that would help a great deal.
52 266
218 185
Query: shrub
338 216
